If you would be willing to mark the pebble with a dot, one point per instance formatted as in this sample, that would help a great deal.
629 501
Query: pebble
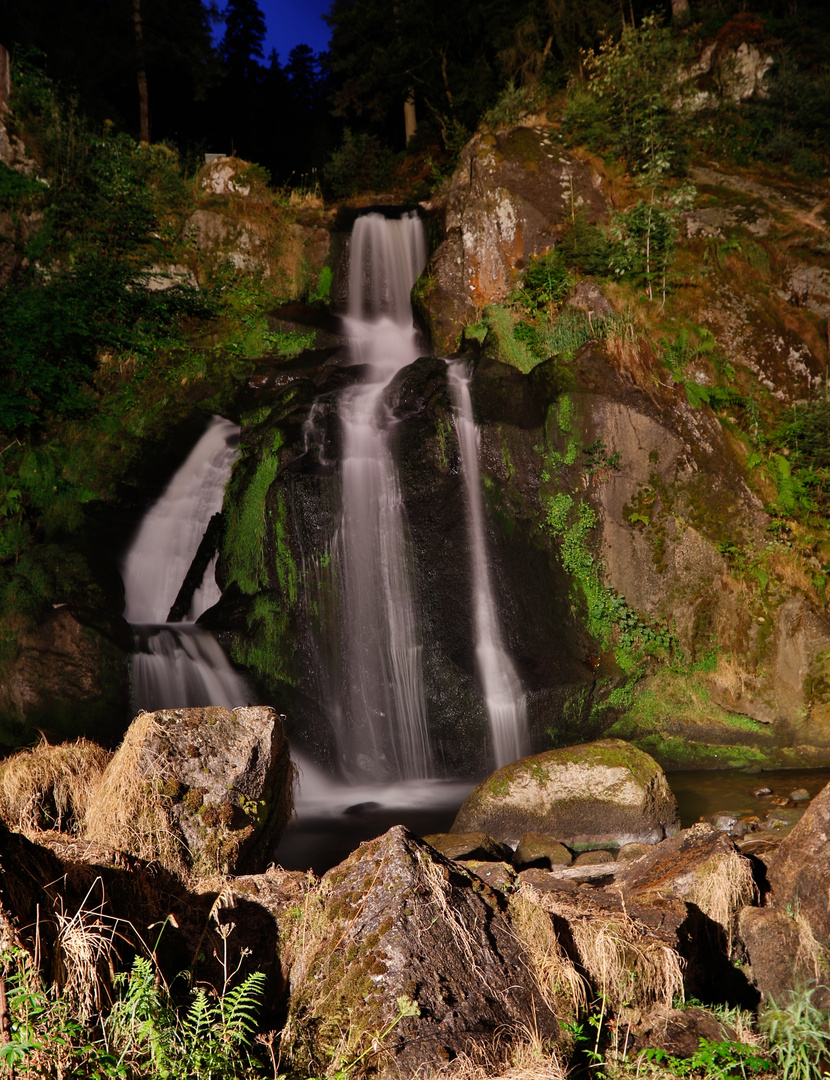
800 795
760 792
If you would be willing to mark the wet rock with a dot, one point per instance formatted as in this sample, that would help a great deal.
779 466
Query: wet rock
730 823
602 794
782 818
538 849
762 792
406 957
463 846
202 790
800 795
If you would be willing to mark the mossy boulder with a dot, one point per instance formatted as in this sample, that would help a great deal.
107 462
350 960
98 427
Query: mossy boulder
203 790
404 960
597 795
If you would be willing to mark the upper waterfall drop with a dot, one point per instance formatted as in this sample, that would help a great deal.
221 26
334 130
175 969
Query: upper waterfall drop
381 726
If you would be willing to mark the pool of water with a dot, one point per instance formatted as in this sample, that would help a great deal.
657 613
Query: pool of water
700 794
333 818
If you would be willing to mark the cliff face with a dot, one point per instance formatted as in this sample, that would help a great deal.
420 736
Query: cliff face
660 481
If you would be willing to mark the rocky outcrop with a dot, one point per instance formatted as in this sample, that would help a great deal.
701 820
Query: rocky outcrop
406 960
202 790
236 224
597 795
509 197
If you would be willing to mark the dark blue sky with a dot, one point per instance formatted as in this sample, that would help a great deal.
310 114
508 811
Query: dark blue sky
290 23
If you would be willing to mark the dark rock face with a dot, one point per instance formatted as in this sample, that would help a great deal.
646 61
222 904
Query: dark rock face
601 794
400 932
69 676
299 576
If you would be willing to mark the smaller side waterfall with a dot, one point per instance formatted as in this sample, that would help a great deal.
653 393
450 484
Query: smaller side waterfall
504 697
179 664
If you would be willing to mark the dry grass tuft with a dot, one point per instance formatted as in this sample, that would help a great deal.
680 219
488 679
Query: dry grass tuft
529 1060
50 787
722 888
437 880
625 963
632 355
561 986
83 956
130 812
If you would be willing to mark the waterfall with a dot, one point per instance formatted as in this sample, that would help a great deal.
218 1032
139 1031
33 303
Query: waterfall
180 664
504 697
381 726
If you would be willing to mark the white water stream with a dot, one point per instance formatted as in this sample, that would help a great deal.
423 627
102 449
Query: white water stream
180 664
504 698
382 725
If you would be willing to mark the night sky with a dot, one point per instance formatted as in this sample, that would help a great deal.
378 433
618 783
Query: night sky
290 23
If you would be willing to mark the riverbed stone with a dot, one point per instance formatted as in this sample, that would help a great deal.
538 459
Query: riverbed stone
538 849
464 846
597 795
402 941
202 789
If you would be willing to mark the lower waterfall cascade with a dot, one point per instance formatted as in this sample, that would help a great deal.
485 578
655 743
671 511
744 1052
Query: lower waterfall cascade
175 665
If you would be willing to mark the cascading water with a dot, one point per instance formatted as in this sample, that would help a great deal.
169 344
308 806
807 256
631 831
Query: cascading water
381 725
504 697
180 664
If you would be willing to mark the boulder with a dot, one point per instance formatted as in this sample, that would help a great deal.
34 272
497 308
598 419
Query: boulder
201 790
404 960
597 795
782 951
701 866
537 849
798 871
464 846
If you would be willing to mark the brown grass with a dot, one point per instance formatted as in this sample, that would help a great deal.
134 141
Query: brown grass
561 986
83 956
722 889
50 786
130 812
625 963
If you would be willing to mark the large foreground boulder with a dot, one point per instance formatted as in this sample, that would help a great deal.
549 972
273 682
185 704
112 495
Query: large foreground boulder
598 795
201 790
404 961
788 941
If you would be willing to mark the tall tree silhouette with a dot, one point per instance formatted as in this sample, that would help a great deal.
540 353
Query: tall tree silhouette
241 98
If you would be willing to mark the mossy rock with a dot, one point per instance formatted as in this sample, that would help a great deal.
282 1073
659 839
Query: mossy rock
597 795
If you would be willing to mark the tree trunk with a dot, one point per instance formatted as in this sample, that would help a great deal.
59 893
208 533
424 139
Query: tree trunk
141 74
409 118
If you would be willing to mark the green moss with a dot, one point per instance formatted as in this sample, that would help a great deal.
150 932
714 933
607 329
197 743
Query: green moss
245 531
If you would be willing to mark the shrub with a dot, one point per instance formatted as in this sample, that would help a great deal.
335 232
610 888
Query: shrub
360 163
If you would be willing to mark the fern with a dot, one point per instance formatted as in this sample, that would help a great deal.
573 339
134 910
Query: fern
240 1008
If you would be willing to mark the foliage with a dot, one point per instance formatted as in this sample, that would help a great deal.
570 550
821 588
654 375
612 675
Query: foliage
144 1034
721 1060
360 163
632 104
799 1036
546 282
647 234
